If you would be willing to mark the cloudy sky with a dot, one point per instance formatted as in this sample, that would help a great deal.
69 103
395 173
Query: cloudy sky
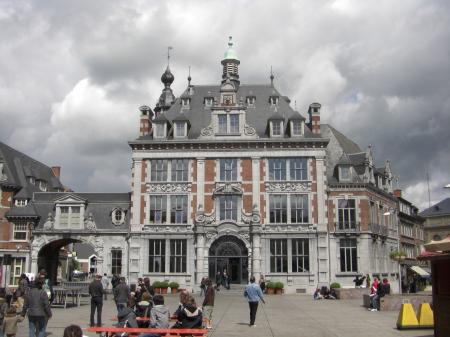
73 74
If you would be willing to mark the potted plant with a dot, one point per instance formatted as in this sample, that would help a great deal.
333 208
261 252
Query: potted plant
279 288
335 285
157 287
270 286
174 287
397 255
164 285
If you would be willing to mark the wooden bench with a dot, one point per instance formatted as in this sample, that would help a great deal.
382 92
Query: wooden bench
109 331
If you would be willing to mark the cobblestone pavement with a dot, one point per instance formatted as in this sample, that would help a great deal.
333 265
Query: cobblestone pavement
282 316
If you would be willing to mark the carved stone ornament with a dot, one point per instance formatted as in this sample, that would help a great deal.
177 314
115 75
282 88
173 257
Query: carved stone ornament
211 235
288 187
49 223
249 130
203 218
228 188
90 223
98 244
169 187
207 131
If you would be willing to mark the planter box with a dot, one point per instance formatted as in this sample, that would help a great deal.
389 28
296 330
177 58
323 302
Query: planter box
173 290
163 290
157 290
270 291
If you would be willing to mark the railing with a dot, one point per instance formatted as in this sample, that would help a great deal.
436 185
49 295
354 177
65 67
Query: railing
378 231
347 228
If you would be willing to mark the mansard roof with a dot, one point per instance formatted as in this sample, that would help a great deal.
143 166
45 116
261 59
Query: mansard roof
100 205
440 209
17 166
257 114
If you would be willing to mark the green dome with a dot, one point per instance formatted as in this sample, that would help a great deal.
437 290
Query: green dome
230 54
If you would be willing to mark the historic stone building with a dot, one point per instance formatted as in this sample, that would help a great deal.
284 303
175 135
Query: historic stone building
20 177
437 221
230 177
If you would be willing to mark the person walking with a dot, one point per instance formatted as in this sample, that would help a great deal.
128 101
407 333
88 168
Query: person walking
105 284
122 294
10 322
96 292
253 294
37 306
208 303
218 280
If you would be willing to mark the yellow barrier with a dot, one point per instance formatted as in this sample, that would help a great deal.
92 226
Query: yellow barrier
407 317
426 316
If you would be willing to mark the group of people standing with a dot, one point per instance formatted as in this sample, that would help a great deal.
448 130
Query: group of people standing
222 279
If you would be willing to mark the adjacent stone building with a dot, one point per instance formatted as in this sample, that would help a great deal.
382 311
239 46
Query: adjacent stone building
437 223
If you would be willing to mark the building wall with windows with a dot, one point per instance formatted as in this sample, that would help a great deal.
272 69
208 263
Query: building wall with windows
437 221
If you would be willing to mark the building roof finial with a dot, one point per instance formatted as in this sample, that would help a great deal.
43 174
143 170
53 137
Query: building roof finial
189 77
271 76
168 55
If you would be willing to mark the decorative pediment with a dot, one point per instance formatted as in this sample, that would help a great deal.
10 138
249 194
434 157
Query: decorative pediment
228 188
288 186
203 218
70 199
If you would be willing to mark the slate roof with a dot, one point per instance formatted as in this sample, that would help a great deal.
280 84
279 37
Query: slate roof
100 205
439 209
17 166
257 115
84 250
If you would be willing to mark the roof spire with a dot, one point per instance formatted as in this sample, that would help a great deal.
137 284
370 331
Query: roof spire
271 76
168 55
189 77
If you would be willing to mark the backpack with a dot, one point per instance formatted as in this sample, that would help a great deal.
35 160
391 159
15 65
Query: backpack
381 291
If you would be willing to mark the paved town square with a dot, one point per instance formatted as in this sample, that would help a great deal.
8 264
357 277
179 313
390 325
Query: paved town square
282 316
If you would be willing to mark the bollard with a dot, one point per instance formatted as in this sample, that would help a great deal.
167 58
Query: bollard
407 317
425 316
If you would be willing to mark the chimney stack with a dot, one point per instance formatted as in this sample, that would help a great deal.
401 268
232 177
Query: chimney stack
398 193
56 171
145 127
314 117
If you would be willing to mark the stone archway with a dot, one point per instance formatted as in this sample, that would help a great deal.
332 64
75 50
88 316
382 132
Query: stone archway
47 254
228 252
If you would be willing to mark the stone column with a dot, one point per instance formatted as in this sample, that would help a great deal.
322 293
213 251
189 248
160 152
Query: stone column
200 257
136 197
256 268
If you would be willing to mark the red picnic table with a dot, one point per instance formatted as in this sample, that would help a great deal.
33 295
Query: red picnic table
136 331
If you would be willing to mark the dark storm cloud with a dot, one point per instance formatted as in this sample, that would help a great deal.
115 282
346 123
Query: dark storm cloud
73 74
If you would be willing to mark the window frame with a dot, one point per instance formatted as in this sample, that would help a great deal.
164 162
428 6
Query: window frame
17 230
300 257
157 255
178 256
346 214
227 173
348 255
180 130
228 204
157 203
175 211
278 252
116 261
297 128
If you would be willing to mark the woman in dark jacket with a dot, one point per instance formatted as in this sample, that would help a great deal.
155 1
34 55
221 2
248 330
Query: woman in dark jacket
190 317
37 306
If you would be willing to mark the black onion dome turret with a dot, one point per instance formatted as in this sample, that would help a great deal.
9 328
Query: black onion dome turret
167 77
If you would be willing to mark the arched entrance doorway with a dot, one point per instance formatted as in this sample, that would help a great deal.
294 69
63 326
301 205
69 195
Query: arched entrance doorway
58 262
228 252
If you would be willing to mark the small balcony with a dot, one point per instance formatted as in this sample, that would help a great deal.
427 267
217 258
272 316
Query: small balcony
378 231
347 228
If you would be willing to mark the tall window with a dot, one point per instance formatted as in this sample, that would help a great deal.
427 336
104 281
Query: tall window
300 255
298 168
349 261
69 217
347 214
278 208
158 204
222 123
228 169
180 168
116 261
228 207
180 129
276 128
158 170
178 211
20 231
17 268
277 169
278 256
234 123
299 208
177 256
296 128
156 256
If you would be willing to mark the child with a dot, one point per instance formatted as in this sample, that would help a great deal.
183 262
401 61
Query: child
159 316
10 322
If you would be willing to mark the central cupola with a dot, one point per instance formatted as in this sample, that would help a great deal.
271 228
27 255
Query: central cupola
230 65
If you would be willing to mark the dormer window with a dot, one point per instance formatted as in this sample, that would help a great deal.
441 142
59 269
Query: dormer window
273 100
2 172
228 123
69 217
276 128
180 129
185 102
20 202
208 101
43 185
344 173
297 128
160 130
250 100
